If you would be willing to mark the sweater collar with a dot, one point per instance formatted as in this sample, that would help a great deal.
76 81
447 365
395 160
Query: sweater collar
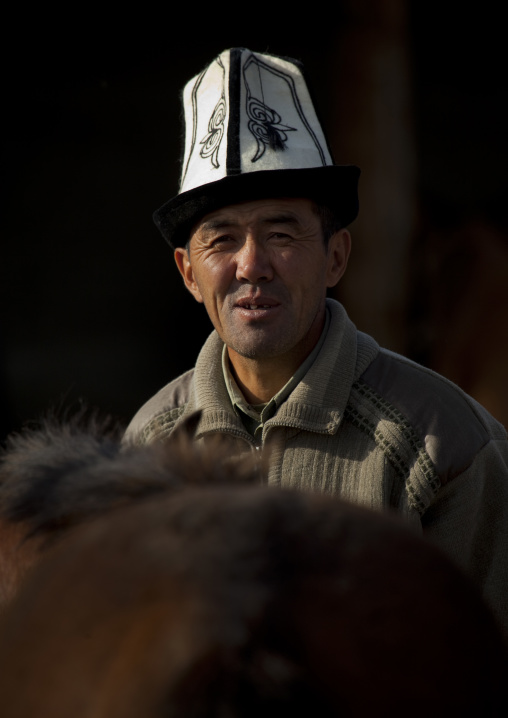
318 402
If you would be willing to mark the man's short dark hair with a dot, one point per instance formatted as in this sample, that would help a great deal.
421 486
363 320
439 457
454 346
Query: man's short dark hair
330 223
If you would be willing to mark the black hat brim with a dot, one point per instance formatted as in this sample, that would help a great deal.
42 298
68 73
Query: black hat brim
335 186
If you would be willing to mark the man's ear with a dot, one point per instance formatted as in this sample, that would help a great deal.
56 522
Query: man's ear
185 268
339 249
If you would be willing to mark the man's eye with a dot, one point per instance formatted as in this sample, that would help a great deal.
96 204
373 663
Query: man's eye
219 241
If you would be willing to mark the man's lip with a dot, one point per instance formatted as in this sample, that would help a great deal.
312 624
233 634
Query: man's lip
259 302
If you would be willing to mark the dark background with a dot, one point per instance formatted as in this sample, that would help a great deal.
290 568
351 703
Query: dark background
92 308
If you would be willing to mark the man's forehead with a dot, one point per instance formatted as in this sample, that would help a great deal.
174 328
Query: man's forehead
290 209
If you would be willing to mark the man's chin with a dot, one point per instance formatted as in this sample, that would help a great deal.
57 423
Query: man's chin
258 349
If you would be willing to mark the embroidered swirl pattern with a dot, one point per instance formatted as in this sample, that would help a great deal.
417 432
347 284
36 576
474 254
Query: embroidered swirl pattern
265 125
213 139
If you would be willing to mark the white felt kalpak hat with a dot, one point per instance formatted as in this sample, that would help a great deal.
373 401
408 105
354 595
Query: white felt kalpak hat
251 132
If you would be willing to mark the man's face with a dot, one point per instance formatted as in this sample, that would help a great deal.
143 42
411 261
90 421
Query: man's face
261 269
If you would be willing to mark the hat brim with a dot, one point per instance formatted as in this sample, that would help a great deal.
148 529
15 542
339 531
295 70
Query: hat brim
336 186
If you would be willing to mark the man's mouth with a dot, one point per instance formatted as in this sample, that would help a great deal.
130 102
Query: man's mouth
253 304
257 310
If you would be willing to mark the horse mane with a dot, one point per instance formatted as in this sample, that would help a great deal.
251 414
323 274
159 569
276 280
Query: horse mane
54 475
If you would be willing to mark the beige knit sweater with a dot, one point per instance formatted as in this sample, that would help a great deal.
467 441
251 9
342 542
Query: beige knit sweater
374 428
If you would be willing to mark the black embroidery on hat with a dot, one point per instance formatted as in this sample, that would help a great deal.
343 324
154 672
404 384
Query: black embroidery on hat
194 102
211 142
265 124
213 139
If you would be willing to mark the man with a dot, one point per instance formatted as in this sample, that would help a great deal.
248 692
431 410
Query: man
259 234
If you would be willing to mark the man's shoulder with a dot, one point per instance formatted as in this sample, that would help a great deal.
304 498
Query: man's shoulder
162 410
451 425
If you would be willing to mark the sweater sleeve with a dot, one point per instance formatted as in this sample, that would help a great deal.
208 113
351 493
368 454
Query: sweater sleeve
469 521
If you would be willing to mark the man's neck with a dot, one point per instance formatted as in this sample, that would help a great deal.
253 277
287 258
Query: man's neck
259 381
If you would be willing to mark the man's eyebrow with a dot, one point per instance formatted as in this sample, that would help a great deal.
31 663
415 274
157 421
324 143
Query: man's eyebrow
213 225
281 219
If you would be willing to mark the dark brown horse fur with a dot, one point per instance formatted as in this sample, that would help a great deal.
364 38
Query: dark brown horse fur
195 600
58 474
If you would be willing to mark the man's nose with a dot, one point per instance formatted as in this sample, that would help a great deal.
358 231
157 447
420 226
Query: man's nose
253 262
